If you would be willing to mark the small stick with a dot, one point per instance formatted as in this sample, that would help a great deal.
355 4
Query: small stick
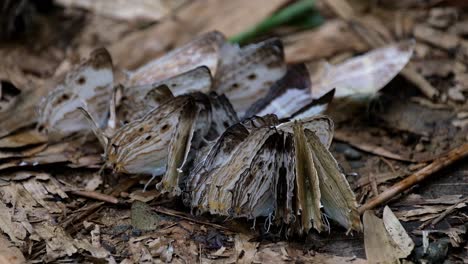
174 213
96 196
448 211
452 156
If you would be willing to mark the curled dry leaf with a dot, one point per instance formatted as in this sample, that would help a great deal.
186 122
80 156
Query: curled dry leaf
385 241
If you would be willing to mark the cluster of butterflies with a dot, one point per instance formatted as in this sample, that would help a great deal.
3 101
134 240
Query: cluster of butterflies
234 131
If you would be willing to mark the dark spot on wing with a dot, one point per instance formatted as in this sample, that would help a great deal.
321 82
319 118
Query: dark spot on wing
141 129
270 165
225 124
148 137
252 76
61 99
174 85
164 128
235 85
81 80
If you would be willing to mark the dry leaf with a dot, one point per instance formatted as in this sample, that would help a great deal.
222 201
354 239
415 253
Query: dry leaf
122 9
10 254
380 244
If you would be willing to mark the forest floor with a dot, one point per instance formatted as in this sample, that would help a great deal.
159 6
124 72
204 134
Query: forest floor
50 206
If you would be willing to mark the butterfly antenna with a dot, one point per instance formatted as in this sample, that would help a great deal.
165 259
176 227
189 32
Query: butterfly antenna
95 127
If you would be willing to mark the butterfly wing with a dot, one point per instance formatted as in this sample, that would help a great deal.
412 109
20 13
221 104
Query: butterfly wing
307 192
91 84
202 51
338 199
216 174
142 146
322 126
364 75
179 148
138 100
245 74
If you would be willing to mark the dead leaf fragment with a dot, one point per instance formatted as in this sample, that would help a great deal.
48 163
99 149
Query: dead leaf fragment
10 254
129 10
379 244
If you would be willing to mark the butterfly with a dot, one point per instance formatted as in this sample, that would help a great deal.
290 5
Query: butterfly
243 74
363 76
201 51
262 167
89 83
161 140
138 100
291 97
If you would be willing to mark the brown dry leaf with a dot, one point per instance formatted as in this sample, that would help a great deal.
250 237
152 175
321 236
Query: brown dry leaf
245 250
128 10
396 231
10 254
139 253
228 17
22 153
6 223
21 110
379 244
23 138
282 252
436 37
424 213
368 147
333 37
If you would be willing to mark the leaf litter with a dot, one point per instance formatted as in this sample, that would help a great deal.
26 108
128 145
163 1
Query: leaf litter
59 206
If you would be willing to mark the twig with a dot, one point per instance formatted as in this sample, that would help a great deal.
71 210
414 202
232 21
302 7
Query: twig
183 216
96 196
451 157
448 211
